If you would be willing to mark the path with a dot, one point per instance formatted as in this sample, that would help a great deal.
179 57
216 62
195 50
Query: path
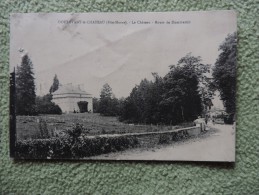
218 144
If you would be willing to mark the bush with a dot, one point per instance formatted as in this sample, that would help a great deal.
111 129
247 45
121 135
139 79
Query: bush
76 130
44 132
66 147
45 106
176 136
96 103
164 139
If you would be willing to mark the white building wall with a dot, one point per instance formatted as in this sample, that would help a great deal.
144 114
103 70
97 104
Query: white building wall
68 103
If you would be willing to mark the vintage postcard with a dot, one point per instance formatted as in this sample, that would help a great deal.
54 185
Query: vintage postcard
123 86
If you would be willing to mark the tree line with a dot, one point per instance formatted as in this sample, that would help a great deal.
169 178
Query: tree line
184 93
171 99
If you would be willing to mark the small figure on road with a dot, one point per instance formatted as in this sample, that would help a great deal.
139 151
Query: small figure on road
200 122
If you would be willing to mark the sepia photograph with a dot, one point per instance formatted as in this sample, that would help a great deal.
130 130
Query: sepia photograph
153 86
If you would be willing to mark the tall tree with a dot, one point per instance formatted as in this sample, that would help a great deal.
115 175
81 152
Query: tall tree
130 111
106 91
224 72
200 70
108 104
55 85
25 88
142 106
184 93
137 105
181 100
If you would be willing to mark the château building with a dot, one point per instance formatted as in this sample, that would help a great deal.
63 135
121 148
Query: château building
68 96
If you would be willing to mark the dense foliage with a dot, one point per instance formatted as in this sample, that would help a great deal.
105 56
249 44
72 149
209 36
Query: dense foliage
44 105
142 106
224 72
108 105
71 147
96 103
25 88
175 98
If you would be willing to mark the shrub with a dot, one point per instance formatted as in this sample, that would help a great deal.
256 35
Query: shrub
76 130
37 148
45 106
44 132
164 139
176 136
66 147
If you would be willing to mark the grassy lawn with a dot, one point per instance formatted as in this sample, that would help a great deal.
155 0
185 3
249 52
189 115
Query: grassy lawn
28 126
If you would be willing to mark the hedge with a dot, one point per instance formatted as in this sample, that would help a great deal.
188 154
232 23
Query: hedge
68 148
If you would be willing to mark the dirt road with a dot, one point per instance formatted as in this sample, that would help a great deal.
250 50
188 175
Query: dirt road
218 144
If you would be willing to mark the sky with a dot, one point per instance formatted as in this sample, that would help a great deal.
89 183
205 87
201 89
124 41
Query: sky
89 54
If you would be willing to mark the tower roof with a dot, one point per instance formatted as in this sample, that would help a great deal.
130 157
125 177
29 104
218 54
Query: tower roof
70 89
